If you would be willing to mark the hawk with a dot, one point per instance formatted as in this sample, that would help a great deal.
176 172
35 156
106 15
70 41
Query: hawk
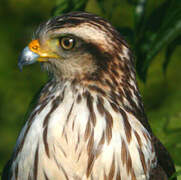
89 122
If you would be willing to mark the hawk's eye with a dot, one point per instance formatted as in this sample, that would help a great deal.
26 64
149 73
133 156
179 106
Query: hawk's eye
67 43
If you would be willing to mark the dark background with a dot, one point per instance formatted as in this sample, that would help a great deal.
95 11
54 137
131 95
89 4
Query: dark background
20 18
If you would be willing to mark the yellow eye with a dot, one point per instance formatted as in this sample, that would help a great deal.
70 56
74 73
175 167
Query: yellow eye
67 43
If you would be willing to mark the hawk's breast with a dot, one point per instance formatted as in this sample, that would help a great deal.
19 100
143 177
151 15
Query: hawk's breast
75 134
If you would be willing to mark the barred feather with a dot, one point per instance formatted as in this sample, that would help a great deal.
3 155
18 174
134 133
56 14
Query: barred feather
70 138
89 122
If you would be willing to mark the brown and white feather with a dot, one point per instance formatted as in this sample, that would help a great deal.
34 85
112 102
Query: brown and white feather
89 121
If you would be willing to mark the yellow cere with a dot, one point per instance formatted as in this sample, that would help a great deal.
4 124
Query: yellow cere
34 46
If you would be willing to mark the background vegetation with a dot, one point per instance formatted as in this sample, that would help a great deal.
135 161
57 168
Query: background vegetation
153 30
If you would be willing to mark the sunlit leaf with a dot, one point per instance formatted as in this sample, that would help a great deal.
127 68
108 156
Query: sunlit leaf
169 51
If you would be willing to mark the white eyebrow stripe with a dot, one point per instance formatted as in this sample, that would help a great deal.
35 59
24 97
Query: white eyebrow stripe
87 32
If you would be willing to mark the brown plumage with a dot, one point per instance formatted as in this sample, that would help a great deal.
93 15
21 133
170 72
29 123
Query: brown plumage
89 121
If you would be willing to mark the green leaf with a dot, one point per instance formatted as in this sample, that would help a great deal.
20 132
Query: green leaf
153 41
169 51
102 5
60 8
158 16
139 13
108 7
177 174
65 6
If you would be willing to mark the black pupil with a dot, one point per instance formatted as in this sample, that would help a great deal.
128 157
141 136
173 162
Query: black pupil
68 42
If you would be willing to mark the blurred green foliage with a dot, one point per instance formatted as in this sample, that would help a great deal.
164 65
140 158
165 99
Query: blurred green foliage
152 32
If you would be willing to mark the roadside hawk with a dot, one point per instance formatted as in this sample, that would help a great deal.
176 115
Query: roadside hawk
89 122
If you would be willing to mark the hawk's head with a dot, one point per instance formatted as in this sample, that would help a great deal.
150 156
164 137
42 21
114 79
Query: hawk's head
84 48
78 45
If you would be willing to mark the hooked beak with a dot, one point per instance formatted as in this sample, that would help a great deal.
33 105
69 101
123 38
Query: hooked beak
33 53
27 57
